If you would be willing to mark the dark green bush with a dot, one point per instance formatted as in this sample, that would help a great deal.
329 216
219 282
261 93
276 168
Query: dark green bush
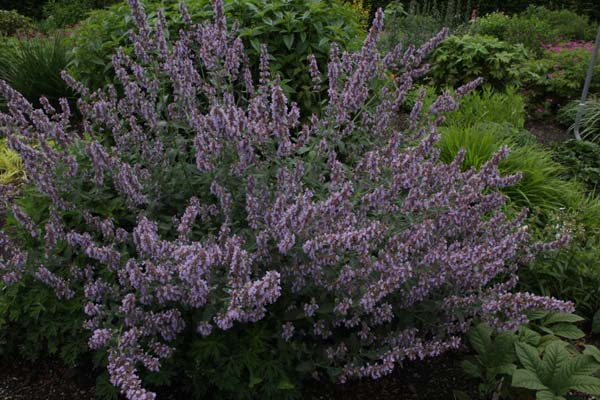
535 27
12 23
33 67
61 13
291 30
461 59
558 77
581 160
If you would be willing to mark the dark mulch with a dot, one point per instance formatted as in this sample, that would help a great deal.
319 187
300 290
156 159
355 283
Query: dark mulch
548 130
431 380
42 380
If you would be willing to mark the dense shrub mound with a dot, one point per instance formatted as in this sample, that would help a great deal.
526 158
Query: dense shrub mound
190 213
290 29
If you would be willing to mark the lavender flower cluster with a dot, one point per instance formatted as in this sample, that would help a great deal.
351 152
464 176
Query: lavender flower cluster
281 211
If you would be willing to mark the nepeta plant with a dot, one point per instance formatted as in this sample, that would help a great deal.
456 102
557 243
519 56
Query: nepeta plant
190 198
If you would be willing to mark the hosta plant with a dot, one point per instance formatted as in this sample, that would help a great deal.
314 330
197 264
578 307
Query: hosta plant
188 207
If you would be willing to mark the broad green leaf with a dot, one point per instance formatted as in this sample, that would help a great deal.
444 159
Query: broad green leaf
529 336
289 41
480 338
546 395
585 384
579 365
529 356
554 318
471 369
592 351
568 331
555 356
527 379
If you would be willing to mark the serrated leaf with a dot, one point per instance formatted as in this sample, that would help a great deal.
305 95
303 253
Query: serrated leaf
529 356
592 351
529 336
555 356
585 384
480 338
554 318
568 331
536 315
546 395
527 379
471 369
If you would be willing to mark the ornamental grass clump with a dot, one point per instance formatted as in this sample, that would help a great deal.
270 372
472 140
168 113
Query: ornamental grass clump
190 201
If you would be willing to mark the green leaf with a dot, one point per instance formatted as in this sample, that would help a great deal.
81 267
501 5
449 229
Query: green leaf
471 369
568 331
546 395
527 379
554 318
480 338
596 322
555 356
289 41
529 336
529 356
592 351
585 384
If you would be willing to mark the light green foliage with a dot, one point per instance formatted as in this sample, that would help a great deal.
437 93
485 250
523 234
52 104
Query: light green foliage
291 30
13 23
461 59
33 68
11 166
490 106
557 370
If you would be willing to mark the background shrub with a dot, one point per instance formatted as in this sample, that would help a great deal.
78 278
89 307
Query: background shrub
60 13
559 76
535 27
12 23
291 30
33 67
461 59
581 160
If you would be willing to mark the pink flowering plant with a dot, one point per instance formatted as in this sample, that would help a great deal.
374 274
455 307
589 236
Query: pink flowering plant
190 203
558 77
